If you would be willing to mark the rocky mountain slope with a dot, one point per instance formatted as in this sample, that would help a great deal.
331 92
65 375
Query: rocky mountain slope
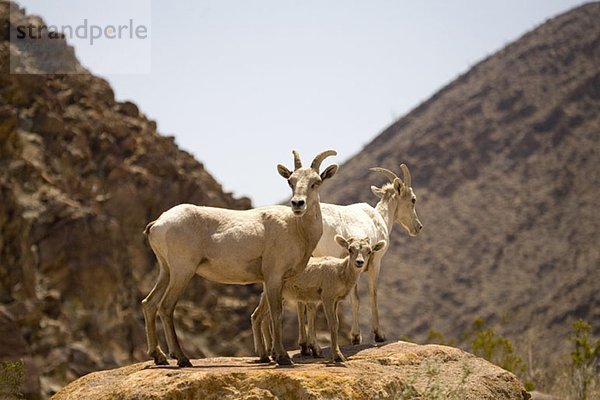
505 163
81 174
395 371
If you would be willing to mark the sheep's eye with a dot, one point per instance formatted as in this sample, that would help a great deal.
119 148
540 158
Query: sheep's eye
414 200
314 185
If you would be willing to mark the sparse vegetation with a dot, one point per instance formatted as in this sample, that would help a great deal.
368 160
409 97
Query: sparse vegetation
12 374
584 360
493 347
578 378
437 337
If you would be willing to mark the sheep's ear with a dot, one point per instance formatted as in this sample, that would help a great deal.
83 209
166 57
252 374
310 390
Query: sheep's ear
342 241
283 171
398 185
329 172
380 245
377 191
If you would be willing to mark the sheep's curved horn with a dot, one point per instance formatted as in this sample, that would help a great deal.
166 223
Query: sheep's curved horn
386 172
406 175
297 162
316 164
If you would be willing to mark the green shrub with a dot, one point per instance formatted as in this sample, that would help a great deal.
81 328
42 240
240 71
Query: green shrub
437 337
495 348
584 359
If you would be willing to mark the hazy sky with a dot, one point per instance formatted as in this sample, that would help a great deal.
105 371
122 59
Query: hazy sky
242 83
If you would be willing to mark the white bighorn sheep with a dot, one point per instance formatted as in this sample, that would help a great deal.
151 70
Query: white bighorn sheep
266 244
396 205
325 280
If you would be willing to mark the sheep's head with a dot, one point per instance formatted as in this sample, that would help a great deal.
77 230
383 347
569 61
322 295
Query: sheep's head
360 250
401 199
306 181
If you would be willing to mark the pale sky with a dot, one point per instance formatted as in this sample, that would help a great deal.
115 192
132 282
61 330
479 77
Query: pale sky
242 83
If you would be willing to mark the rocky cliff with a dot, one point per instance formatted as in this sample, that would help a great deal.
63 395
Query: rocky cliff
81 174
504 161
394 371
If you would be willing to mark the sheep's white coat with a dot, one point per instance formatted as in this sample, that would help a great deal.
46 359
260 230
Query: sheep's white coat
266 244
396 205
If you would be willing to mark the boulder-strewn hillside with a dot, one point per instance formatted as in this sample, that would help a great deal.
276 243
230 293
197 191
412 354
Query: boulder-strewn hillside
80 176
395 371
505 161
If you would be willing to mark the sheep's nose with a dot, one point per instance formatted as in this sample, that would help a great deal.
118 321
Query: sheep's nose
298 203
360 263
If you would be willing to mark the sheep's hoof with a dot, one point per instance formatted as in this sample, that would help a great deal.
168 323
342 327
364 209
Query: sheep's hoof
160 361
284 360
316 352
264 360
184 362
356 339
159 357
379 337
339 358
304 349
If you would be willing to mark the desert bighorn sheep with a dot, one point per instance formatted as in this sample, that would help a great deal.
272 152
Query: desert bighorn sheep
325 279
396 205
266 244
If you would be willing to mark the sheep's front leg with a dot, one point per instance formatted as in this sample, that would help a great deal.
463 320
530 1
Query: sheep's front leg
302 342
275 301
330 307
355 300
373 279
258 316
313 344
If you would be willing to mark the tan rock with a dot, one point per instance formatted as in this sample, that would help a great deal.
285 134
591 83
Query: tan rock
394 371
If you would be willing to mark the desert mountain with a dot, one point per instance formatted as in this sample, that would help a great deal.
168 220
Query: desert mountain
81 174
505 163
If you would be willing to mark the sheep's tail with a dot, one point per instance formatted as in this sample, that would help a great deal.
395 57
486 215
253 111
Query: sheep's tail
148 227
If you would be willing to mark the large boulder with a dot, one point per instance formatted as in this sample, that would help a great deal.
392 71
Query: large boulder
394 371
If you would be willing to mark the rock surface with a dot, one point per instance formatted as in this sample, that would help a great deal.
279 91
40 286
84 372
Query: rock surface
394 371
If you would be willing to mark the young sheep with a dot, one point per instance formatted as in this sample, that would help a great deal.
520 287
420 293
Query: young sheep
327 280
396 206
267 244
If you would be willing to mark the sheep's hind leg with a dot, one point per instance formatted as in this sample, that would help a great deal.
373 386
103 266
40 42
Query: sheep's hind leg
177 285
258 316
373 278
150 307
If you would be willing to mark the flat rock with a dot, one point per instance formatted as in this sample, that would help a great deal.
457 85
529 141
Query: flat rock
397 370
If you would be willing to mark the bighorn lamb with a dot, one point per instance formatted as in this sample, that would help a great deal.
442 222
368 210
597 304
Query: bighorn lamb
325 279
266 244
396 205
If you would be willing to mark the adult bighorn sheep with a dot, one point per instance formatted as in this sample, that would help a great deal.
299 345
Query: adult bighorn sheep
396 205
325 280
266 244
